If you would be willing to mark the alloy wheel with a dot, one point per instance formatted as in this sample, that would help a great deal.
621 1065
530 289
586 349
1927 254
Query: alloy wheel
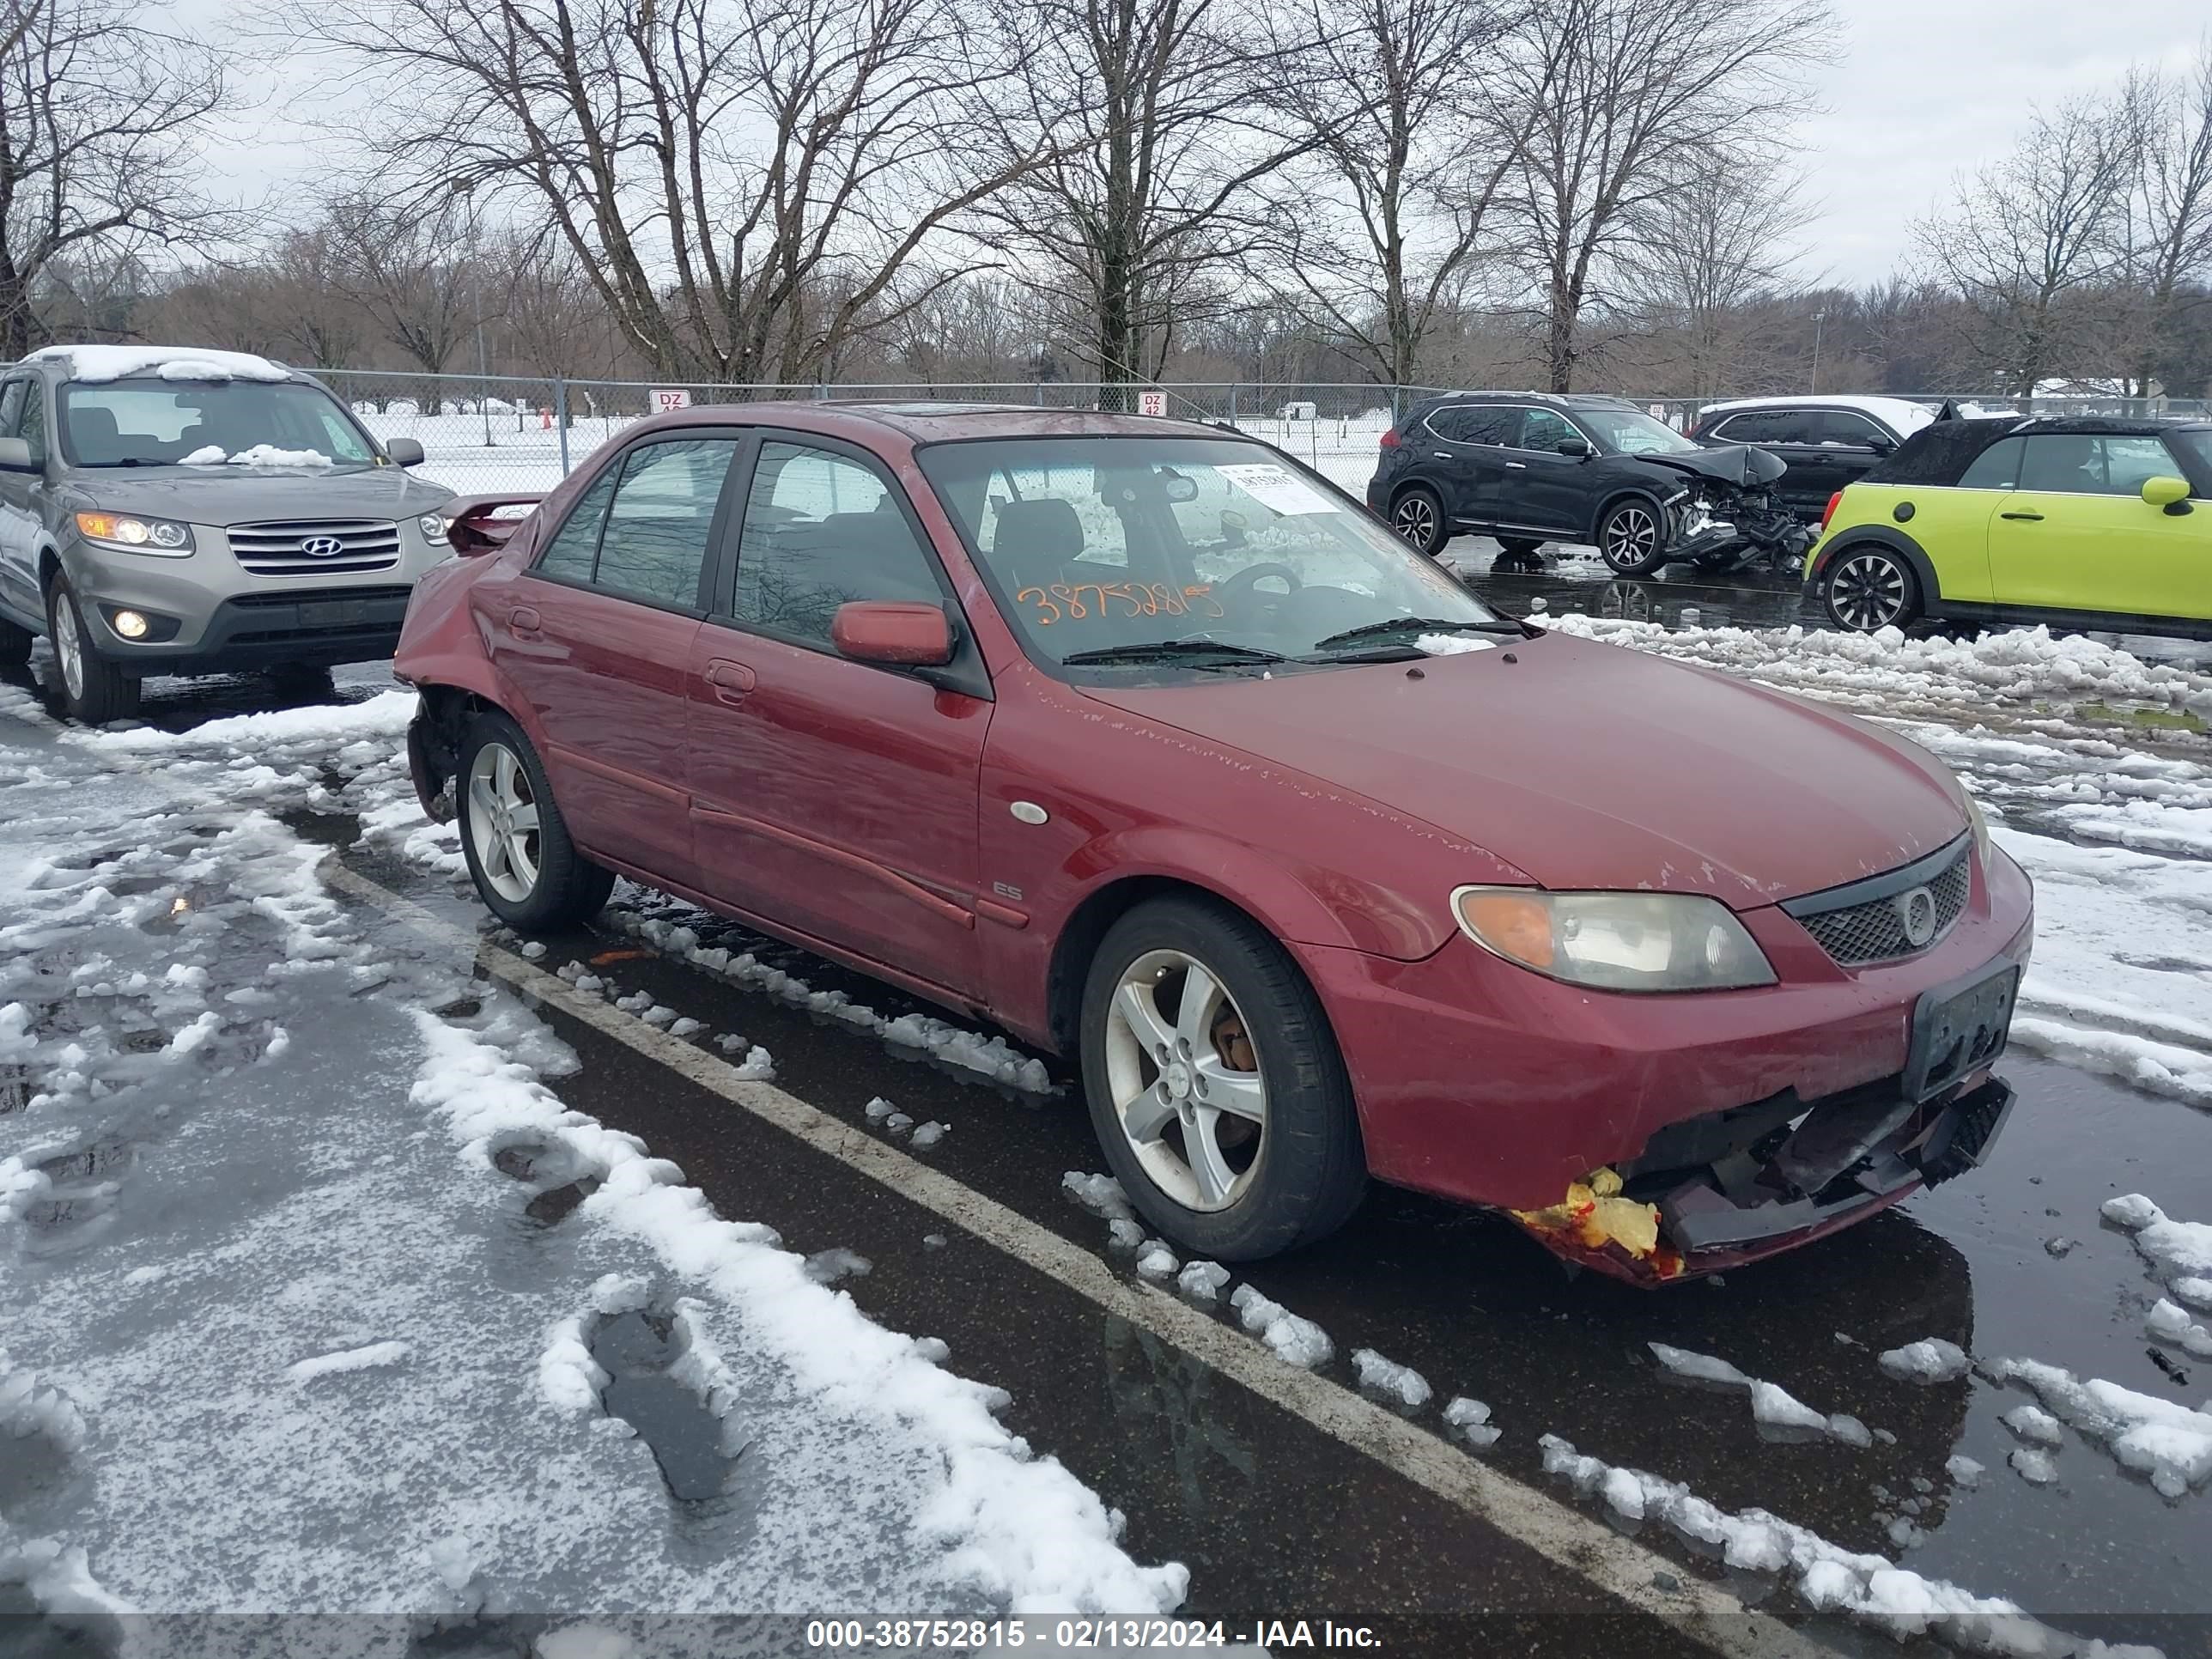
1185 1079
69 646
1868 592
503 823
1416 521
1632 536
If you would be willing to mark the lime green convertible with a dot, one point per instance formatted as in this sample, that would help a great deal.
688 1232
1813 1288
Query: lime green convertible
2089 523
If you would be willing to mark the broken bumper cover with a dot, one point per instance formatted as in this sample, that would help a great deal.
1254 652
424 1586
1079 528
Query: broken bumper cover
1843 1161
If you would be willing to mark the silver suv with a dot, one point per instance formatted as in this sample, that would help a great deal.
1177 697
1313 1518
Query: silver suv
167 510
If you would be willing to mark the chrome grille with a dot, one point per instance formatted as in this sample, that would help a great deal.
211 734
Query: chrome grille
280 548
1875 930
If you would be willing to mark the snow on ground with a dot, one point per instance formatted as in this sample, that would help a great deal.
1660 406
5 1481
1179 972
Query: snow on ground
236 1314
1779 1414
1869 1589
1930 1360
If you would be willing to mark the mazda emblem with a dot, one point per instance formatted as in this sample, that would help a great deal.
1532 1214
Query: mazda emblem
1915 914
322 547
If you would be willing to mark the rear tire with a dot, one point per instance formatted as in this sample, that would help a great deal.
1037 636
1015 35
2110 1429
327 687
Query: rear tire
1868 588
14 644
1418 516
1242 1141
93 690
527 870
1632 537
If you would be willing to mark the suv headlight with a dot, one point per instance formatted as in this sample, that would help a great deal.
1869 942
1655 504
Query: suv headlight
164 537
433 526
1615 941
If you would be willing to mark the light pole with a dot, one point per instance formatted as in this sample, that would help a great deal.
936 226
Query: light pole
1819 318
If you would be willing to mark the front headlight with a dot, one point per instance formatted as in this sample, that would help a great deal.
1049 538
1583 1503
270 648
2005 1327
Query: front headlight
1980 825
433 526
1615 941
162 537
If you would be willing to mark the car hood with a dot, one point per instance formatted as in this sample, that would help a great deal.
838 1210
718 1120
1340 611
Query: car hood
1592 766
1732 463
247 494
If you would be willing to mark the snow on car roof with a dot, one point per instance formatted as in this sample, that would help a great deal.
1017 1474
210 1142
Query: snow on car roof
1901 413
115 362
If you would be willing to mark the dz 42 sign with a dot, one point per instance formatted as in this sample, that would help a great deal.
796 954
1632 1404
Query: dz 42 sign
667 398
1151 403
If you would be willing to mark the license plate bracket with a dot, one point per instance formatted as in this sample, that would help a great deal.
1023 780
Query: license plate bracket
1959 1028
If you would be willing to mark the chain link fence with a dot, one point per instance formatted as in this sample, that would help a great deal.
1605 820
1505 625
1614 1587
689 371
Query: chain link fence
482 434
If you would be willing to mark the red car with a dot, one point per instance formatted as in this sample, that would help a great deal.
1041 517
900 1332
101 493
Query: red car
1143 741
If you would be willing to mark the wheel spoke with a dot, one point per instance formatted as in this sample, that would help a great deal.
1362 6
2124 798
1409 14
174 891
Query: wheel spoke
518 860
480 798
1201 996
1211 1170
1134 1004
1146 1116
504 775
525 818
491 853
1241 1094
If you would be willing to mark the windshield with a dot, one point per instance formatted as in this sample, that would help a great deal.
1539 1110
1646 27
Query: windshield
207 423
1100 548
1631 432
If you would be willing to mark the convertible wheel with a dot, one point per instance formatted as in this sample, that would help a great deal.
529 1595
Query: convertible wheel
525 866
94 690
1868 589
1215 1085
1631 539
1419 519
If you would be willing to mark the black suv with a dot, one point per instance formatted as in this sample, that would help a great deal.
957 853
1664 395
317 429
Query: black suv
1826 442
1528 467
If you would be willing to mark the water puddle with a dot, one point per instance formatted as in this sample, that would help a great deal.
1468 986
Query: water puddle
568 1183
324 829
637 1351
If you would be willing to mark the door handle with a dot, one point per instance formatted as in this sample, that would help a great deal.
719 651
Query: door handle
524 622
2037 517
1518 466
1441 454
731 680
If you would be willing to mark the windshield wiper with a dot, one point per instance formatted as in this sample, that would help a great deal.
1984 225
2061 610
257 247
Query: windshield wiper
1190 650
1416 624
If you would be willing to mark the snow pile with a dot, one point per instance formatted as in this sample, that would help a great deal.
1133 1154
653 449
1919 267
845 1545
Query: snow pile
2181 1248
1101 1195
1202 1281
1778 1413
266 456
2170 1323
993 1057
1869 1588
928 1134
1472 1419
1930 1360
2169 1444
1388 1378
1299 1341
2033 1465
95 363
26 1409
2035 1426
1451 645
372 1356
827 1267
1156 1261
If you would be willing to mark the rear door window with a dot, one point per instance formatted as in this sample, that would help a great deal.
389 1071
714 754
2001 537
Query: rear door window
1996 467
1473 423
1841 426
2085 464
645 527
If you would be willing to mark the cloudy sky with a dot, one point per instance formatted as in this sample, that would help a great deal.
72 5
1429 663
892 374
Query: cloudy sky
1919 91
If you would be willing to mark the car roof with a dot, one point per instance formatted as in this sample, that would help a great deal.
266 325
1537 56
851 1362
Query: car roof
947 421
1558 399
1901 413
96 363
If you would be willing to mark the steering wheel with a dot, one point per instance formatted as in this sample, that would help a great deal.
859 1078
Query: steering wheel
1247 579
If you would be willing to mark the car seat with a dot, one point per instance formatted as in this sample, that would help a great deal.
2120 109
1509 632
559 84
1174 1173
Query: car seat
95 437
1034 542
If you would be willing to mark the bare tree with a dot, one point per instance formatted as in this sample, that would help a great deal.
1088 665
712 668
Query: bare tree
1626 92
98 111
742 181
2167 212
1153 119
1419 131
1707 254
2025 238
418 276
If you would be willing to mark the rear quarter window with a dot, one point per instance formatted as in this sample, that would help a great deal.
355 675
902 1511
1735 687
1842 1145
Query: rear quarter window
1941 453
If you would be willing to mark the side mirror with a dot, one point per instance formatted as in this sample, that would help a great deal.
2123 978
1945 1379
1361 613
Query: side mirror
902 633
15 456
2163 489
1880 445
1578 447
404 452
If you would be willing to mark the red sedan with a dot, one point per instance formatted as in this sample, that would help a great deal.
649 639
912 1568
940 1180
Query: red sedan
1143 741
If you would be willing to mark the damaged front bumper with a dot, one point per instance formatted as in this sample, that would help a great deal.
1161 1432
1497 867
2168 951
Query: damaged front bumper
1713 521
1712 1193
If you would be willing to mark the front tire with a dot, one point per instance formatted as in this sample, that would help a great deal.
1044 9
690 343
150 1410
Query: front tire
1869 588
1632 538
1418 519
527 870
1215 1084
93 690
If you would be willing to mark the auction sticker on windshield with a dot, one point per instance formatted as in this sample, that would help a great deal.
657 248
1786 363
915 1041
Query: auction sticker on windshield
1277 488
